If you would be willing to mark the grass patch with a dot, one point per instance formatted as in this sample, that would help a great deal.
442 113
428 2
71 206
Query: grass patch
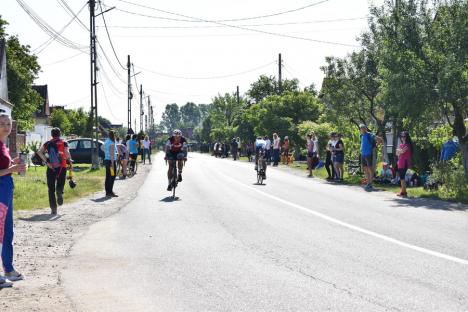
31 190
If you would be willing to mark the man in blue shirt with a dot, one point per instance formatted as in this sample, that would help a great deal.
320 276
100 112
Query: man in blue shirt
133 149
368 143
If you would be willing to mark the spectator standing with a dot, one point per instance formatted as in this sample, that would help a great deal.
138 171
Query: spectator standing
249 148
312 156
123 156
132 146
404 153
368 144
267 149
276 149
286 150
338 157
110 157
146 150
57 158
239 147
328 159
234 148
7 167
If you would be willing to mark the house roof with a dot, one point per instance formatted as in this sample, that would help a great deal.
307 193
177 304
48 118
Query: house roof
44 110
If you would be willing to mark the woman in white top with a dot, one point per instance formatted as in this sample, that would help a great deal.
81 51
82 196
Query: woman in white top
312 155
146 149
276 149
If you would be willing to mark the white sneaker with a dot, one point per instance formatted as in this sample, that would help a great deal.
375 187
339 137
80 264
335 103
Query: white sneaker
14 276
4 283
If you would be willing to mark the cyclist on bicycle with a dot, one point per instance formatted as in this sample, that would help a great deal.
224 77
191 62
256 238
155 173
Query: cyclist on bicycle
260 149
176 150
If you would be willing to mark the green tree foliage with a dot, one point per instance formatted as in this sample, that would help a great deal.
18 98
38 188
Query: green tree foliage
171 117
190 115
268 85
22 70
60 120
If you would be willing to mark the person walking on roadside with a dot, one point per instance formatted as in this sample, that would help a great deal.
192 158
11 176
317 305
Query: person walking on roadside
110 158
404 153
286 150
338 157
312 155
146 150
239 147
328 159
276 149
8 166
368 143
249 148
58 156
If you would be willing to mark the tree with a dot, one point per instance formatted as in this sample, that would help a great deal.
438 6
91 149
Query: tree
22 70
60 120
268 85
171 117
190 115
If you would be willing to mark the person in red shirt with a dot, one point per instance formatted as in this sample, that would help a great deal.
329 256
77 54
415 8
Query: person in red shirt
7 167
57 160
176 150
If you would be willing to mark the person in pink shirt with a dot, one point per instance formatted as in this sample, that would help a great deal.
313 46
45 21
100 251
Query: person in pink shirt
404 153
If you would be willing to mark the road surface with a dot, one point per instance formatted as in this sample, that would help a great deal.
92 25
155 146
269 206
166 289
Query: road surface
294 244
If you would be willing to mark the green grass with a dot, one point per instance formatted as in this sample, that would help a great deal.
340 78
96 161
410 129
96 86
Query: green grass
413 192
31 189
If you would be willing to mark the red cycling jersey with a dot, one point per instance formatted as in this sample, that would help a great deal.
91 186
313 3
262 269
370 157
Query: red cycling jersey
177 143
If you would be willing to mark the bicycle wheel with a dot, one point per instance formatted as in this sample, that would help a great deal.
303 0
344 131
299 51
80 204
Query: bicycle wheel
135 169
174 180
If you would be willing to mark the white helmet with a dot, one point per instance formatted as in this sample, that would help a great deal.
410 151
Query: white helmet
177 132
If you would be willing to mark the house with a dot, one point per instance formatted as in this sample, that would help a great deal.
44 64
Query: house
5 105
41 132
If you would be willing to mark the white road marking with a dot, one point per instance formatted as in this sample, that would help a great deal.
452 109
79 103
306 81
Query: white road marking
353 227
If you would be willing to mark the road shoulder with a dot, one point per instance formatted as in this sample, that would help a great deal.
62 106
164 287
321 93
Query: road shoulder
43 243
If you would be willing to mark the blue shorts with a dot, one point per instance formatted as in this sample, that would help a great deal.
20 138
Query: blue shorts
338 158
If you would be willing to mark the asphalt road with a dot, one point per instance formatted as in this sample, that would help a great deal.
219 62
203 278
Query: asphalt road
294 244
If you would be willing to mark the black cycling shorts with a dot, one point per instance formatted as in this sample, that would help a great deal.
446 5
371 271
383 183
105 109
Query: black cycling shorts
175 156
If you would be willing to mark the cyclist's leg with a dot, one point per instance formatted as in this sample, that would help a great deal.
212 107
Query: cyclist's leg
180 166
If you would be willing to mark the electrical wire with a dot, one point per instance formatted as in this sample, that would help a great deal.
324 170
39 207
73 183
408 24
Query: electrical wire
70 12
50 31
246 18
246 25
106 100
205 78
110 40
62 60
240 27
110 63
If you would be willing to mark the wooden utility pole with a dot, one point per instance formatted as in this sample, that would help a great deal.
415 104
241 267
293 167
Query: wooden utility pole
280 81
129 95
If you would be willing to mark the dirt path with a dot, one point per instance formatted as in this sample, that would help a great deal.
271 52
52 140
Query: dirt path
42 244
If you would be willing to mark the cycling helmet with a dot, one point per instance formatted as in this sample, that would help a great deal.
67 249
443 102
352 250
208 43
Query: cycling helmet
177 132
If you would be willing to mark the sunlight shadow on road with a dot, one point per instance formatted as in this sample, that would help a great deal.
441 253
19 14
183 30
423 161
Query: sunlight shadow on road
170 199
100 200
256 183
41 218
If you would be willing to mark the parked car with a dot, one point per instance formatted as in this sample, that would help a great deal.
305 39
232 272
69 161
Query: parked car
80 150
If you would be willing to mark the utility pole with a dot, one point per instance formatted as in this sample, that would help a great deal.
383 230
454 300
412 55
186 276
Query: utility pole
148 114
280 82
93 58
129 100
238 96
152 119
141 108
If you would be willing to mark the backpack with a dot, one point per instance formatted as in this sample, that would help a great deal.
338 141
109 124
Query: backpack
55 150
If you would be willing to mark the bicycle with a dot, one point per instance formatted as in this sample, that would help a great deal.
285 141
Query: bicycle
260 169
174 182
133 166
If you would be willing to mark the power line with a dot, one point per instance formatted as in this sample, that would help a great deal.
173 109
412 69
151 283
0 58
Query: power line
106 101
63 60
240 27
246 25
50 31
110 64
110 40
205 78
45 44
70 12
244 18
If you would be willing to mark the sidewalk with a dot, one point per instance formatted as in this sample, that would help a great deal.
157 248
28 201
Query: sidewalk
42 244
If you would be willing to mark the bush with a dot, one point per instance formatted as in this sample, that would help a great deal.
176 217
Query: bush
451 178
